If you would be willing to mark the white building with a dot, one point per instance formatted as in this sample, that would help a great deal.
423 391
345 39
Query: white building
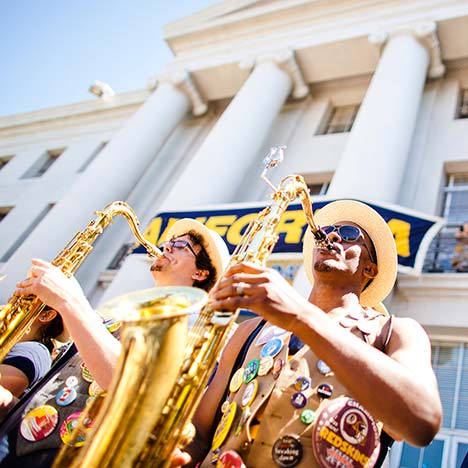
371 98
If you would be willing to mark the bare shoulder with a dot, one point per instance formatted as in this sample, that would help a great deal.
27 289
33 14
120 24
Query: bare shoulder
409 344
406 328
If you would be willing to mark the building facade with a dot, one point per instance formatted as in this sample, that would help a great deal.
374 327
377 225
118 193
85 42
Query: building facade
369 96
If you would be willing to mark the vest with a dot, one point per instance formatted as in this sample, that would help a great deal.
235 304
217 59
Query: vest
272 419
50 415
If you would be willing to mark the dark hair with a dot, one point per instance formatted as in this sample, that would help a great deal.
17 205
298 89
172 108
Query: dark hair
53 329
203 262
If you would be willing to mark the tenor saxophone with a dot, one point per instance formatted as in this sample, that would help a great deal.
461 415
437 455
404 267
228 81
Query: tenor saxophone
171 426
18 314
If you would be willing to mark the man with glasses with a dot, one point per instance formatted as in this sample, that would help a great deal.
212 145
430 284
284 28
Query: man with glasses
193 256
327 381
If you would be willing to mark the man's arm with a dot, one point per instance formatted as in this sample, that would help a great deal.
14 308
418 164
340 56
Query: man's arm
398 388
98 348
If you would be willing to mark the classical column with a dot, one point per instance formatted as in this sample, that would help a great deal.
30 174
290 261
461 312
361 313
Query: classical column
112 175
375 156
219 166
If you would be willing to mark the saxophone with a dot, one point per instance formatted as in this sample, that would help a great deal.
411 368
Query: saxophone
17 315
170 423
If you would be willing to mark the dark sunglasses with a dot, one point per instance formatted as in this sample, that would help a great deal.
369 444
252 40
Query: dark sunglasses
348 233
178 244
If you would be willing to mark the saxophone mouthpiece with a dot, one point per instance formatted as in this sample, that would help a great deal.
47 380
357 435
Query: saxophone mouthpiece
322 240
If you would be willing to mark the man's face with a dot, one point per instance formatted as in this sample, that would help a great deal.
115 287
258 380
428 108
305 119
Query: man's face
178 267
345 255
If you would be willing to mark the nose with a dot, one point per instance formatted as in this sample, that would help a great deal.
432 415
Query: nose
334 237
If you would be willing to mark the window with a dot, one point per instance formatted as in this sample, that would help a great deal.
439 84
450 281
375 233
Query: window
450 363
43 163
93 155
462 110
443 250
4 161
318 189
341 119
26 233
427 457
4 210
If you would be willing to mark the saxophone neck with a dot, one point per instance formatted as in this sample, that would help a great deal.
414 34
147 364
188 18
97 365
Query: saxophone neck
295 186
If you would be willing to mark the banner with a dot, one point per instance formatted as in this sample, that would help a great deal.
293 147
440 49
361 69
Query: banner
412 231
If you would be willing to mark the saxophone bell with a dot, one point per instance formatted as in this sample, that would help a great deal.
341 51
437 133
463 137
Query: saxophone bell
153 337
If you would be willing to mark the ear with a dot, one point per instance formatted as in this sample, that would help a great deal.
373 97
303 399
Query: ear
200 275
47 316
371 270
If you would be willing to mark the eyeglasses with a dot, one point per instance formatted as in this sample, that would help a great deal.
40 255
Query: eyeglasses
178 244
349 234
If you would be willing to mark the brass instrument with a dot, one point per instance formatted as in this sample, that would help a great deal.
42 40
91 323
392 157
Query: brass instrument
153 336
17 315
170 426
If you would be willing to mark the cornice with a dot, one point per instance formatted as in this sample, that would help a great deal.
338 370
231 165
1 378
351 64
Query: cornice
79 110
317 18
453 285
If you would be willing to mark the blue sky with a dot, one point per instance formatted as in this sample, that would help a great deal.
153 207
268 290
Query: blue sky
51 51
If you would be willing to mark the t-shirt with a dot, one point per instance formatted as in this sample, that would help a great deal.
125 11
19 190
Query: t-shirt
30 357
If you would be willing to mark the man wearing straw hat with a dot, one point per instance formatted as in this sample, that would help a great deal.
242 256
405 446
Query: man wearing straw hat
321 382
193 256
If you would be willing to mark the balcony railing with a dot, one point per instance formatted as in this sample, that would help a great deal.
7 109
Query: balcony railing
440 254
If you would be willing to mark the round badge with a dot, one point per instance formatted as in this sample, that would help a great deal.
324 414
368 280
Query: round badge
215 456
114 326
287 451
85 373
72 381
268 333
67 427
345 434
230 459
325 390
277 367
66 396
251 369
225 406
250 393
302 383
266 364
236 380
298 400
244 416
307 416
271 348
224 426
323 367
94 389
39 423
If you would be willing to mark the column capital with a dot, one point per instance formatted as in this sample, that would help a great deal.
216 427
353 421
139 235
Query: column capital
182 81
425 33
286 60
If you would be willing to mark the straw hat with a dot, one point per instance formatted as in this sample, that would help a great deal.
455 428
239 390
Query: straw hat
213 243
379 232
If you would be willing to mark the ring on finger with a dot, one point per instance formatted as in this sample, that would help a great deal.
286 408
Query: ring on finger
240 290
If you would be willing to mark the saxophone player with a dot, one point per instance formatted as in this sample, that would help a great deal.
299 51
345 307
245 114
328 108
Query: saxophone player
328 381
193 256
